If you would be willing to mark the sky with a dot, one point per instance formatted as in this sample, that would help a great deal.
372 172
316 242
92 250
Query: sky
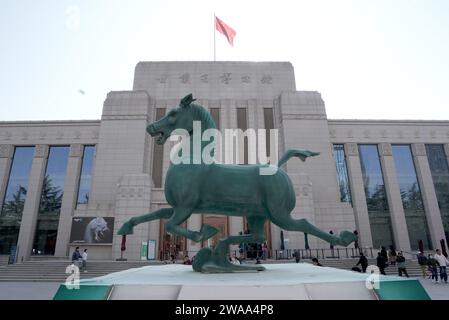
383 59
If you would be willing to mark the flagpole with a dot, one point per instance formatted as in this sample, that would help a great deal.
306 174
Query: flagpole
214 37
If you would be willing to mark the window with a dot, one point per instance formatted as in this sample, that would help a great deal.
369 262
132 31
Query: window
158 155
215 113
14 201
411 197
51 200
342 173
376 198
86 175
440 176
242 123
269 124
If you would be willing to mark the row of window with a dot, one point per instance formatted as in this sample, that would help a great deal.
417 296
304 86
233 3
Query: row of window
412 202
50 199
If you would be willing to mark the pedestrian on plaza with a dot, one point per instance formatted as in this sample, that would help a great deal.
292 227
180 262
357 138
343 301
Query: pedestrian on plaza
76 257
84 261
363 261
400 260
297 256
172 258
233 259
383 252
316 262
422 261
264 251
392 256
187 260
381 262
442 262
432 263
331 245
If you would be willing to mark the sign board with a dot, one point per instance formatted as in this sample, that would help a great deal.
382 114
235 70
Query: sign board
92 230
151 253
143 250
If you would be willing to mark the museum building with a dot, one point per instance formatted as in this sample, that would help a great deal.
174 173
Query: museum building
74 183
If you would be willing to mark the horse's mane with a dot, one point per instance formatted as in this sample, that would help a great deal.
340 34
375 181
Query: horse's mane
202 114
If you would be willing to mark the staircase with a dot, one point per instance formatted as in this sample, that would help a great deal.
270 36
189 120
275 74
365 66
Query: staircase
412 266
54 270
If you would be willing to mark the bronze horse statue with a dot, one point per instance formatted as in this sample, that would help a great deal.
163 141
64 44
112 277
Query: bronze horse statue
231 190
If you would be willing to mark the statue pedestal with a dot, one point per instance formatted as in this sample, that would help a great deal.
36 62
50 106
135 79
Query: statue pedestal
290 281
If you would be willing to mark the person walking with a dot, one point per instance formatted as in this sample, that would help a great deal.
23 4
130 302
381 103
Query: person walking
363 261
84 261
432 263
442 262
381 262
392 256
400 261
422 261
297 256
76 257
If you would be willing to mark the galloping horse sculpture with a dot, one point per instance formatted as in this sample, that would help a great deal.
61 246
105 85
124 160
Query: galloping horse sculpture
231 190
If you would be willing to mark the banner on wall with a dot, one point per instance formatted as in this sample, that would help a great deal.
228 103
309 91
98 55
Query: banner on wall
92 230
143 250
151 252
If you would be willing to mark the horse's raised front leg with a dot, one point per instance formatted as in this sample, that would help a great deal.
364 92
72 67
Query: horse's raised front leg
128 226
182 214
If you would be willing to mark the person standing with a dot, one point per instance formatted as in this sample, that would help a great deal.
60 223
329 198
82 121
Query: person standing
264 251
400 260
297 256
442 262
316 262
84 261
76 257
392 256
422 261
381 263
363 261
433 264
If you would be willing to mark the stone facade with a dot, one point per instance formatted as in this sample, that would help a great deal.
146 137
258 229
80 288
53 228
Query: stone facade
122 185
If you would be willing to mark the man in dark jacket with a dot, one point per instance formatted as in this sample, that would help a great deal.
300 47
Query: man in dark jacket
76 256
422 261
363 261
381 261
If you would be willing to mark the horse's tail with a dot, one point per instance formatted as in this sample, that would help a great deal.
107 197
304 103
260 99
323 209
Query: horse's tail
301 154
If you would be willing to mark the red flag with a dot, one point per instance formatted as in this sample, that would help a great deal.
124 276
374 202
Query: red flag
226 30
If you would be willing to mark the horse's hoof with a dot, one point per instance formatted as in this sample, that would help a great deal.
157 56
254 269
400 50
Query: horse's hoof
201 258
207 231
346 238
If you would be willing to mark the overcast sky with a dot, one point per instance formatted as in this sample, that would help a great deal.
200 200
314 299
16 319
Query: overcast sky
369 59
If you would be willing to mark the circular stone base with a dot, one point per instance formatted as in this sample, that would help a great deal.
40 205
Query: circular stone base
277 282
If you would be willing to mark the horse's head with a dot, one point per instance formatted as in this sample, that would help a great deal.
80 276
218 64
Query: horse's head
181 117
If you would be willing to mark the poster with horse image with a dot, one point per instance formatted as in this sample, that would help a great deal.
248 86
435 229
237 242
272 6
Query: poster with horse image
92 230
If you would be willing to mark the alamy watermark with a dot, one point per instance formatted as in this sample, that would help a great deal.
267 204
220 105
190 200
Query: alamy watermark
209 146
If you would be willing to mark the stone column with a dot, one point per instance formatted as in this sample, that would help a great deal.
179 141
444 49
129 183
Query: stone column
428 194
358 195
6 155
132 199
31 207
69 199
235 227
194 224
398 221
